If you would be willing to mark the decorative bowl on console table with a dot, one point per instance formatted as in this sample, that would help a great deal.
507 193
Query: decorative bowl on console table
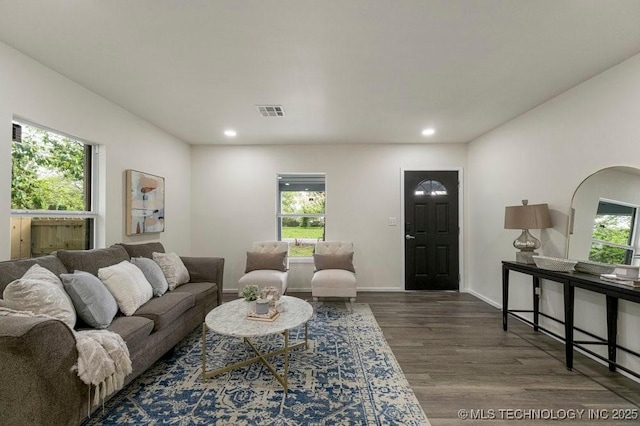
594 268
554 263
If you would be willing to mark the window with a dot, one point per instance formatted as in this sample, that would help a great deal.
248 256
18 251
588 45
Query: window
301 211
430 187
51 192
613 233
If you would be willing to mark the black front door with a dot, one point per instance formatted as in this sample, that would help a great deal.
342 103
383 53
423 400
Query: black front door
431 230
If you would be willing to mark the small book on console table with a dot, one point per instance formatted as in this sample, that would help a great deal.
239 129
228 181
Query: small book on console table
269 317
612 278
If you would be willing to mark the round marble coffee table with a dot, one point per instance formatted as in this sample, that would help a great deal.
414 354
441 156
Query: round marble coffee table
230 319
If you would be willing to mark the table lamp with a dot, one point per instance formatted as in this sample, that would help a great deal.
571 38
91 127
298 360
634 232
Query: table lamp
526 217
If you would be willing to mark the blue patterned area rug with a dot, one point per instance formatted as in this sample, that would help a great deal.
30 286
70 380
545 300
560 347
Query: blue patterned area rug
347 376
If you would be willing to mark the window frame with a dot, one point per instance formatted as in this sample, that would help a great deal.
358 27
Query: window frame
280 215
630 248
91 185
420 190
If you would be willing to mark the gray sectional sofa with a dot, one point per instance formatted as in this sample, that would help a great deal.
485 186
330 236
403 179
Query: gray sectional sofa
38 386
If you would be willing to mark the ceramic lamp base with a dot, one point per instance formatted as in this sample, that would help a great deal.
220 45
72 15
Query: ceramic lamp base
526 257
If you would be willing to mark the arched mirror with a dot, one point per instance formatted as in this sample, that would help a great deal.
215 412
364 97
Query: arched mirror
604 223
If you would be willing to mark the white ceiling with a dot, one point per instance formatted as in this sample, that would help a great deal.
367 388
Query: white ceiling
356 71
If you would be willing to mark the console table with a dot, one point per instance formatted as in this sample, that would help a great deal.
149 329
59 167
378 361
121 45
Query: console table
570 281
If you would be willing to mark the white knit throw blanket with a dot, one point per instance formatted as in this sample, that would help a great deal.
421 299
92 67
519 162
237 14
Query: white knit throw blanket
103 361
103 357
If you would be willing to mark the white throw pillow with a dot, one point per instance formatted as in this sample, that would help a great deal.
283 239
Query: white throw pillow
127 285
37 272
173 269
41 292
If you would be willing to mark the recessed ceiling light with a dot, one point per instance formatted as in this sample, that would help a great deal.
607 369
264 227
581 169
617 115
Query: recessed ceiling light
428 132
230 133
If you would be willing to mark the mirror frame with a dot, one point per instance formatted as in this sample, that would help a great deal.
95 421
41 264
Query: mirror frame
572 212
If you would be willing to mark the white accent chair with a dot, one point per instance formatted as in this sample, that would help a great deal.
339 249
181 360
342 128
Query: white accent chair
267 277
331 282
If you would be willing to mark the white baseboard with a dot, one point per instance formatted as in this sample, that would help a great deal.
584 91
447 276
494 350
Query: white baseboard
380 289
485 299
308 290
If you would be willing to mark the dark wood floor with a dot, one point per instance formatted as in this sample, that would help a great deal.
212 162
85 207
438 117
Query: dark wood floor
455 356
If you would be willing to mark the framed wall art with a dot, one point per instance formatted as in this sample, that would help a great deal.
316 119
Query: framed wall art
145 203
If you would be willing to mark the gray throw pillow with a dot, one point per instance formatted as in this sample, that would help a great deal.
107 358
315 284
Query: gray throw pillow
153 274
334 261
274 261
92 300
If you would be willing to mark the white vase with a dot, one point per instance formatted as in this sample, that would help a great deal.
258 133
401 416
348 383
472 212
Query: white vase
251 306
262 306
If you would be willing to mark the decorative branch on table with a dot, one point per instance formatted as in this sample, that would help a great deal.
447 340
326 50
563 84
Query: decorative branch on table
250 292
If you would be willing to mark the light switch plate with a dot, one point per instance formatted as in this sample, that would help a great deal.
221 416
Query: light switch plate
392 221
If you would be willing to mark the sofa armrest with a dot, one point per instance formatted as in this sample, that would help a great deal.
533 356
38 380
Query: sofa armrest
38 383
206 269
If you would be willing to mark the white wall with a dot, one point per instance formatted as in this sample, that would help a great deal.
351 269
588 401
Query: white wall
234 201
36 93
543 156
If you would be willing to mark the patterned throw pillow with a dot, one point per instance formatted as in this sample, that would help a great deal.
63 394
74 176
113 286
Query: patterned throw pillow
173 269
153 274
127 285
41 292
93 302
37 272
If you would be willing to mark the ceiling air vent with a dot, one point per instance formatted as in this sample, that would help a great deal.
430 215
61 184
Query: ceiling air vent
271 110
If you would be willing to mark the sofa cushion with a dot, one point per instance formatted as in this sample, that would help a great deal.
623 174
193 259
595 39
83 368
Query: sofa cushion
93 302
333 283
92 260
40 292
134 330
173 269
11 270
334 261
127 284
153 274
143 250
199 290
257 261
164 310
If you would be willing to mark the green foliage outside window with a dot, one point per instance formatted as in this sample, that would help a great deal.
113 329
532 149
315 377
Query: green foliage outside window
613 229
302 229
47 172
306 202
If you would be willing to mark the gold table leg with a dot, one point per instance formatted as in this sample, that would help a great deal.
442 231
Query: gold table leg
262 357
204 351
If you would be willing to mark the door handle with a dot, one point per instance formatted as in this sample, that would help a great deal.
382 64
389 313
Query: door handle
409 237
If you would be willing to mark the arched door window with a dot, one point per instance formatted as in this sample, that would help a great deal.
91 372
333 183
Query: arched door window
430 188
